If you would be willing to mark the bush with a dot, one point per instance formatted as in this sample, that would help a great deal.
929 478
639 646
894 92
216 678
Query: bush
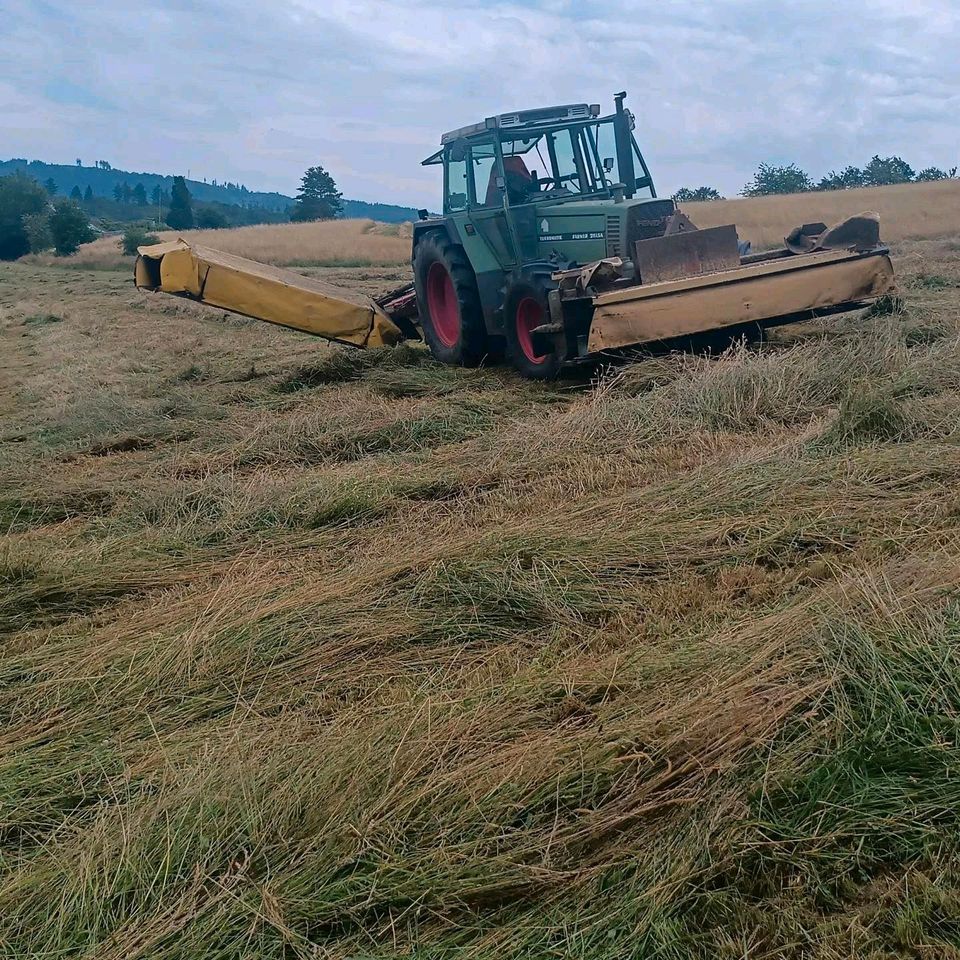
929 174
134 237
20 196
69 227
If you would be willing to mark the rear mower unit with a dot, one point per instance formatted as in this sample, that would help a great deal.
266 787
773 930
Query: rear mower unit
553 248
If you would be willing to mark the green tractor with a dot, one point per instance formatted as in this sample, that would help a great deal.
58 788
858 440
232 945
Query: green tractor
552 249
526 195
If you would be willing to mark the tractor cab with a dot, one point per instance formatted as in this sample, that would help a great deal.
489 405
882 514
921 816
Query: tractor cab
533 185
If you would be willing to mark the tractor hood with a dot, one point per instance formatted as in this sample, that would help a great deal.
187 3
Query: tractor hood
581 231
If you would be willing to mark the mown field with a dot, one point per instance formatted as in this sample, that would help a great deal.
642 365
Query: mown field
317 653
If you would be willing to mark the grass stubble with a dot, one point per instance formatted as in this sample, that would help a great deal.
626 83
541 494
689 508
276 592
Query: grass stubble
317 653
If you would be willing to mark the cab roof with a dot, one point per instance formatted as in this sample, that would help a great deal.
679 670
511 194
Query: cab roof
524 118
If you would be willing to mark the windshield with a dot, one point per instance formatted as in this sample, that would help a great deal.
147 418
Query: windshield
578 160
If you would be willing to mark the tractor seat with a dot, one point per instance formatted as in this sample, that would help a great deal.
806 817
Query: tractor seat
519 182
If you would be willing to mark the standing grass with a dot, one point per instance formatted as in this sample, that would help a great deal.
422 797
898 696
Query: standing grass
310 653
328 243
908 211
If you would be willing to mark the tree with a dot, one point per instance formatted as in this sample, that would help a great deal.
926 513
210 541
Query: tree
889 170
20 196
37 228
848 178
156 196
180 214
696 195
69 227
929 174
75 194
139 195
88 194
50 185
210 218
318 197
79 164
118 192
772 179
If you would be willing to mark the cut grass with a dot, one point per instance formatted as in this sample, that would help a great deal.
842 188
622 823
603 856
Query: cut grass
364 656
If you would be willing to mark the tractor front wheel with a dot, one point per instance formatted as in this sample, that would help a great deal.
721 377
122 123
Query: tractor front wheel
450 313
525 308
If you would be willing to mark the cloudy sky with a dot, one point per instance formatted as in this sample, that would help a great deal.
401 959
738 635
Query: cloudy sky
255 91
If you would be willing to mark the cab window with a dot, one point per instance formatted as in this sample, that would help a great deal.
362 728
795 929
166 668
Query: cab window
566 149
526 168
455 192
483 161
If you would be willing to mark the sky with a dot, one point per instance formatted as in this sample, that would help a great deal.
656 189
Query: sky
253 91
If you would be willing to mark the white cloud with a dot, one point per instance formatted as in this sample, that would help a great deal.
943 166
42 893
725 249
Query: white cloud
254 91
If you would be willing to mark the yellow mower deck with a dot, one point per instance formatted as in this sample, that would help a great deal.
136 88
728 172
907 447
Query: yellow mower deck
781 289
264 292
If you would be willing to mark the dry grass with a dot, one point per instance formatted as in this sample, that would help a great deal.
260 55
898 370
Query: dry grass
914 211
340 243
908 212
319 653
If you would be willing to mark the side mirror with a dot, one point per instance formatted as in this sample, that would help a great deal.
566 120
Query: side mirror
501 183
608 164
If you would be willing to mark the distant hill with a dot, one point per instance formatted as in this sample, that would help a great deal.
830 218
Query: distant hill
102 183
384 212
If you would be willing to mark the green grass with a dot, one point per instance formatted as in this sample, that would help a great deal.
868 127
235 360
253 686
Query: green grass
313 652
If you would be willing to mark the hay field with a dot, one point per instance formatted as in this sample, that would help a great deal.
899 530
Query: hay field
914 211
908 212
330 243
318 653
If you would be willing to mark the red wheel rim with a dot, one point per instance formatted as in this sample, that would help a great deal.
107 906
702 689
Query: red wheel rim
442 304
529 316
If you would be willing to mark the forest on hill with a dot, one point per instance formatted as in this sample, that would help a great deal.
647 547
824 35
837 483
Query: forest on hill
107 185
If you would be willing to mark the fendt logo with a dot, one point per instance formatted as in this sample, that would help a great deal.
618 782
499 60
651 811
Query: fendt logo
546 235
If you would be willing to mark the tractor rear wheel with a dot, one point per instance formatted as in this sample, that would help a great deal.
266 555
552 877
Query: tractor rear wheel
450 313
525 308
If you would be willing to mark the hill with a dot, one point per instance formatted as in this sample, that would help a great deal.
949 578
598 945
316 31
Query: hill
102 183
314 652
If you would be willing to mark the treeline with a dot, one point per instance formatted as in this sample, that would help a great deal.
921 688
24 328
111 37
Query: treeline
773 179
98 183
131 203
103 179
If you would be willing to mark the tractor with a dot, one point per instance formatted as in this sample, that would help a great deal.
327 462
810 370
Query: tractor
552 249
